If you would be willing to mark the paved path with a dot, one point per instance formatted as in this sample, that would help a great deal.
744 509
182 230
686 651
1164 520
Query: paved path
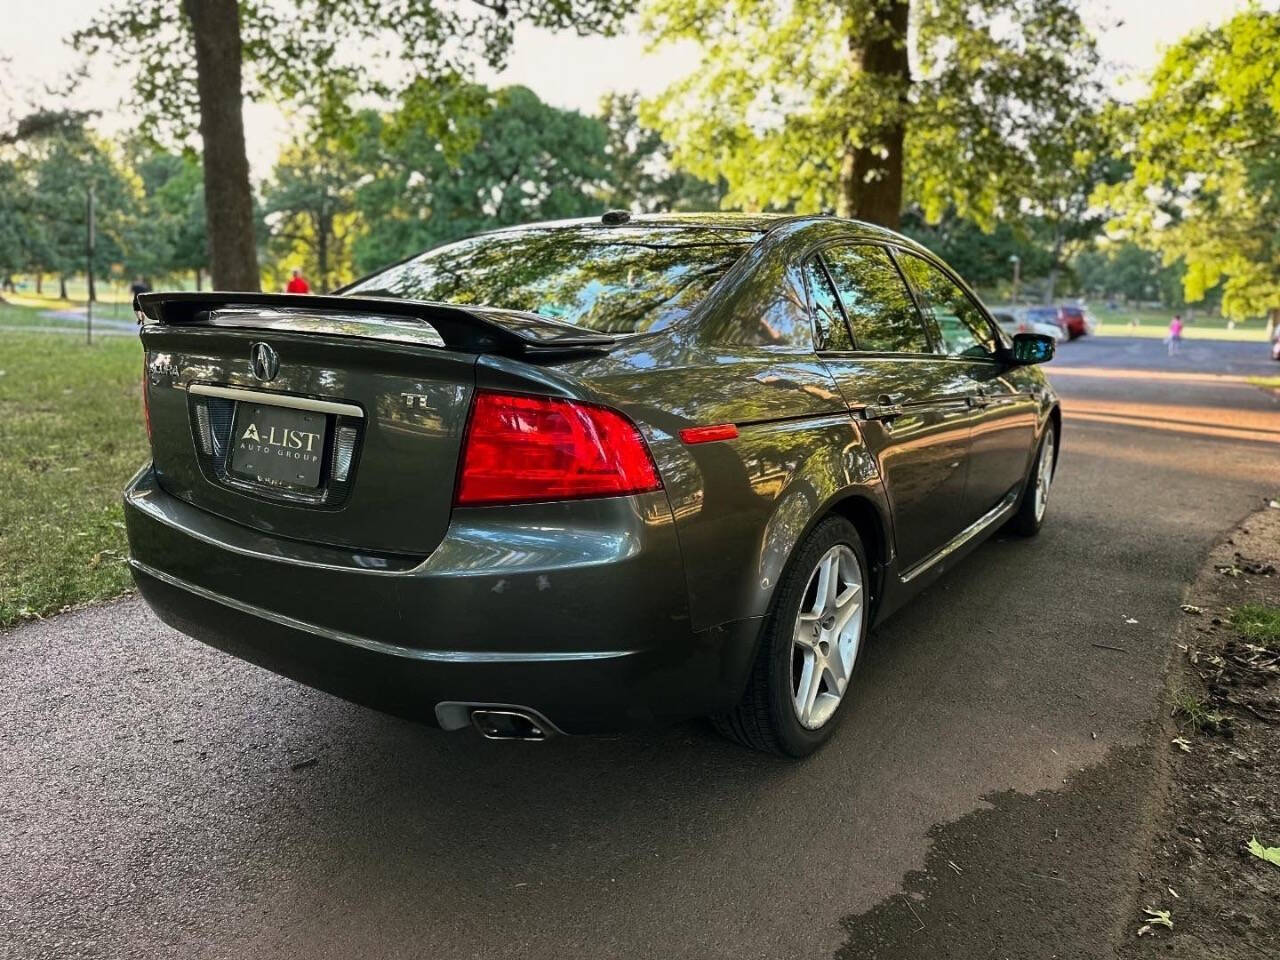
149 803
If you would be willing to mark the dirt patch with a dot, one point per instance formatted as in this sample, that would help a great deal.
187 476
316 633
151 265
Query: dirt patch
1164 825
1223 728
1036 876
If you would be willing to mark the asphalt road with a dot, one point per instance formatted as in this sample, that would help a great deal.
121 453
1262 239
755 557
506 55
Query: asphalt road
150 804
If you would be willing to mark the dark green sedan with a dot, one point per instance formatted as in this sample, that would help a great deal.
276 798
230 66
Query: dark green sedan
588 476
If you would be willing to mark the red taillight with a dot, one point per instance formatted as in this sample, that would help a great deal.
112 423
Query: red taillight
521 448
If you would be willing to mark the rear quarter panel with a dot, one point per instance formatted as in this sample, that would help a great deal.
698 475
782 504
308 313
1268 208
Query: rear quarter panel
740 506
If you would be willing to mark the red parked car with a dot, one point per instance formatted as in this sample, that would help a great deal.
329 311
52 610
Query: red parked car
1070 319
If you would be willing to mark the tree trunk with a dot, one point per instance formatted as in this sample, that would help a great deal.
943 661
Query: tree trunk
199 279
228 202
1055 264
62 287
870 182
323 225
39 284
93 289
1051 282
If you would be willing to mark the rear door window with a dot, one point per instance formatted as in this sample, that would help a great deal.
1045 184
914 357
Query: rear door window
830 330
962 328
876 299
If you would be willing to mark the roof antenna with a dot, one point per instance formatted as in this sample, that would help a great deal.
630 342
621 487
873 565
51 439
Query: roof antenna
614 217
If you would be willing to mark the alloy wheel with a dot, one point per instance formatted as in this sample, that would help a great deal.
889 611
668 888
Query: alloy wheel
1044 474
827 633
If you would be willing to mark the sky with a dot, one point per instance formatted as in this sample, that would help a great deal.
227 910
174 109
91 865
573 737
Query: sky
564 70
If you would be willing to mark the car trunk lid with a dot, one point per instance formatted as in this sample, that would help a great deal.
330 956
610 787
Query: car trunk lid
332 420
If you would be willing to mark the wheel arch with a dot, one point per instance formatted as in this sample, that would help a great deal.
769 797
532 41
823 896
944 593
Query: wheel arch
873 528
1055 417
870 519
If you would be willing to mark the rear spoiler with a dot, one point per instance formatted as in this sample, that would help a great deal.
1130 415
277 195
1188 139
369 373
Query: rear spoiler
474 329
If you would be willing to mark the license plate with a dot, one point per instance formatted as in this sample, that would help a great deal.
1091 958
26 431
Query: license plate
278 446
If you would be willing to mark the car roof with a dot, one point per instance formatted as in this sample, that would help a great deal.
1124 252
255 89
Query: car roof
744 222
758 223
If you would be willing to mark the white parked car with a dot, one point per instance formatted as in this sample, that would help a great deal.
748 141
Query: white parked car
1018 321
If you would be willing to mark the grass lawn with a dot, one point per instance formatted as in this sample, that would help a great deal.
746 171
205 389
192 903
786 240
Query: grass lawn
1108 328
71 434
1257 623
1155 323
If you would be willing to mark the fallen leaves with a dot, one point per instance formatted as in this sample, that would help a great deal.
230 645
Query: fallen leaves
1242 564
102 555
1155 918
1269 854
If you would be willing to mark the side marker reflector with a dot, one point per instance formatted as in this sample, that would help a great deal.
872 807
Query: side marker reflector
721 431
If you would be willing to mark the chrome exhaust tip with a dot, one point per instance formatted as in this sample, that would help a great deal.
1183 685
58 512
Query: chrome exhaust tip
508 725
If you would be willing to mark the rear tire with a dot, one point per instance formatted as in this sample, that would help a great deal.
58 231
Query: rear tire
1030 516
810 645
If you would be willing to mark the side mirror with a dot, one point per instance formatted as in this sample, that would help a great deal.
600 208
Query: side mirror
1029 348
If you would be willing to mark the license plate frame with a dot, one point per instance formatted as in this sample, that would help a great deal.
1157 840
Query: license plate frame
278 446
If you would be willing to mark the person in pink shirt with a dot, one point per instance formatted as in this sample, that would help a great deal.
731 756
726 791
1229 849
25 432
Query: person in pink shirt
1175 333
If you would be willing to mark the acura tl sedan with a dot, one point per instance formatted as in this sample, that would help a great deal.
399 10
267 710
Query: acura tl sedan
588 476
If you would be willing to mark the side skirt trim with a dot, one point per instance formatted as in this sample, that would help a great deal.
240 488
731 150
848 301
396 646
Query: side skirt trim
998 514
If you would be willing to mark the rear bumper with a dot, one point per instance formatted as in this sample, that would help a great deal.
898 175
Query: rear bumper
577 611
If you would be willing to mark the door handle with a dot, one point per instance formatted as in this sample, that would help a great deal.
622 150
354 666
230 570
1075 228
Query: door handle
887 407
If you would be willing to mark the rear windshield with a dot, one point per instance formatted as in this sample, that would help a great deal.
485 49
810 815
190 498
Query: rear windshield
614 280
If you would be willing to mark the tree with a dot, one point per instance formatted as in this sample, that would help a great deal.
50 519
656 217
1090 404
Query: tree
309 205
1062 214
811 105
1206 164
58 170
43 123
524 161
641 174
981 257
13 226
200 58
228 198
167 233
1126 270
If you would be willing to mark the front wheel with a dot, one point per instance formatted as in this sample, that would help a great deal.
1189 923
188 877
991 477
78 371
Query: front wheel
1030 516
810 645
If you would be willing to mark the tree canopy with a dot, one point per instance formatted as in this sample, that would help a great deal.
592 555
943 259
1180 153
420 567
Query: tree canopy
148 217
195 61
525 161
811 105
982 127
1205 150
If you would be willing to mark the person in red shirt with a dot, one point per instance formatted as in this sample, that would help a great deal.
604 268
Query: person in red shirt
298 283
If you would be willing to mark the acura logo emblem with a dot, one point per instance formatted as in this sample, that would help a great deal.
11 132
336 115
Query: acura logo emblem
264 360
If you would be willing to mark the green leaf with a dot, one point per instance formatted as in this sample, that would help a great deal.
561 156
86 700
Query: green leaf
1269 854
